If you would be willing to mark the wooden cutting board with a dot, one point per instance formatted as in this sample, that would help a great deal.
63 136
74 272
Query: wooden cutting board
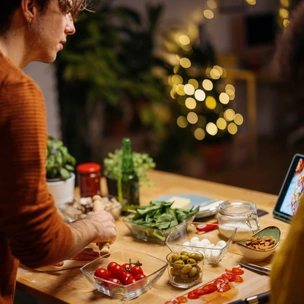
253 284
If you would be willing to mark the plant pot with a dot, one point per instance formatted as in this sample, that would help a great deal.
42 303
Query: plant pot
62 191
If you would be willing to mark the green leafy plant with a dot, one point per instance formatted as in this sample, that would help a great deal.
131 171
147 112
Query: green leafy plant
142 163
60 163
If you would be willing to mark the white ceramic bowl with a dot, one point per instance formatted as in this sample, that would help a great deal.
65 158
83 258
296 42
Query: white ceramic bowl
257 254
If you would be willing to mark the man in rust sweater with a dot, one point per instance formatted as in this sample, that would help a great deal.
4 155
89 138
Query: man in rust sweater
31 230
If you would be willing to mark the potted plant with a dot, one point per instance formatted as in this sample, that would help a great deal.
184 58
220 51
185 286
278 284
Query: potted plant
60 166
112 168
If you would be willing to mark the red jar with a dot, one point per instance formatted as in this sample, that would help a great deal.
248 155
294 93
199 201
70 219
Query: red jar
89 175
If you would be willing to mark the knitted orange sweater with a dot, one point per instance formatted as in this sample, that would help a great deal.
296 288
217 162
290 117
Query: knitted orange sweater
31 230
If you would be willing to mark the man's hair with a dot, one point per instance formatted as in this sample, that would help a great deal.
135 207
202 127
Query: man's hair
8 7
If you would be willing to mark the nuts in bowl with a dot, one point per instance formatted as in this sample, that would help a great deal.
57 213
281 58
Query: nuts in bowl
261 244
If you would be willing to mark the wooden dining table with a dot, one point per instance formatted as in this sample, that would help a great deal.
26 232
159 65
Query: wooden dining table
70 286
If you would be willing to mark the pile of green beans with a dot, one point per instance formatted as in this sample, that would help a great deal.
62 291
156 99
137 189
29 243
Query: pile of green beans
184 266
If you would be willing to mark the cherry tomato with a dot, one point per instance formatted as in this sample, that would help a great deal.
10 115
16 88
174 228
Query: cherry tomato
116 271
110 265
102 273
135 270
113 283
139 276
192 295
126 267
127 278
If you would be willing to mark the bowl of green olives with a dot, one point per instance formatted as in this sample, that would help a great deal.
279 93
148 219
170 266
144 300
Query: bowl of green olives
185 269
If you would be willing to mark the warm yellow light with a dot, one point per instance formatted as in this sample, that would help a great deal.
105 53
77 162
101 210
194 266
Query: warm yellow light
210 102
211 128
200 95
190 103
232 128
211 4
224 98
177 79
199 134
208 14
172 93
229 115
193 82
192 118
180 89
189 89
185 63
221 123
175 69
285 22
184 39
207 84
251 2
182 122
285 3
208 72
284 13
238 119
215 74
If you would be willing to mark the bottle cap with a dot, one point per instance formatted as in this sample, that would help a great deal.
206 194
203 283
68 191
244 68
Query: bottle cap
88 167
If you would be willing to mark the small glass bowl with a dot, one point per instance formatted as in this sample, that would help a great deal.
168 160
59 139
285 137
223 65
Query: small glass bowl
152 235
152 267
81 207
185 268
188 238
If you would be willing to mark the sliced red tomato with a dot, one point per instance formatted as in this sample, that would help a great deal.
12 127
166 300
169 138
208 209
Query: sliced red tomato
182 299
229 275
237 270
239 279
208 288
192 295
222 286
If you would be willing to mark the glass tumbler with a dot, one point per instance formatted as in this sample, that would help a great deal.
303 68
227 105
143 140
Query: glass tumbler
185 269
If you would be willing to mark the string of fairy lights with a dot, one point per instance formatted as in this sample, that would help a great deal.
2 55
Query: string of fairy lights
192 94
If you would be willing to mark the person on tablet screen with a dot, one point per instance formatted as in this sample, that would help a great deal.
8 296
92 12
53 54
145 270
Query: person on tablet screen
31 229
287 274
299 187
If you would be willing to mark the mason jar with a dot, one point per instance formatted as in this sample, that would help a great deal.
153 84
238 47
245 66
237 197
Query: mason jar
238 214
89 175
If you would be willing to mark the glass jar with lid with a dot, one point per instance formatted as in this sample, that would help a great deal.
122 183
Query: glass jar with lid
89 175
238 214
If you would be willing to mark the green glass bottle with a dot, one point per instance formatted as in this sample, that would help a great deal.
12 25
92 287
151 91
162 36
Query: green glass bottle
129 180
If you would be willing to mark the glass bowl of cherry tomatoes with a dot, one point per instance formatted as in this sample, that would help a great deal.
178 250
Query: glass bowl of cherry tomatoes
124 274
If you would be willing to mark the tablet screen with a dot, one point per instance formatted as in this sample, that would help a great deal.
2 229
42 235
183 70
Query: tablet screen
291 191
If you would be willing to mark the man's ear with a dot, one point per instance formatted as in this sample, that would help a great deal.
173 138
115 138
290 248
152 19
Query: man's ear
28 9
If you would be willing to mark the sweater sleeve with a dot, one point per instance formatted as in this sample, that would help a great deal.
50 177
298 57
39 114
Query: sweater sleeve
28 216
